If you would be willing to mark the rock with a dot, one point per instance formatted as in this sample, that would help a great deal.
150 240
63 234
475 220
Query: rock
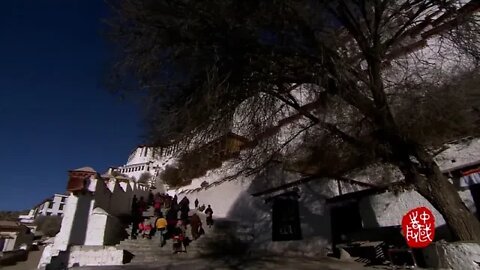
345 256
457 255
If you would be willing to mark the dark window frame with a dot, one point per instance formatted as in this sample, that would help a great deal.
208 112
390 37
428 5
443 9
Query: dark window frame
286 225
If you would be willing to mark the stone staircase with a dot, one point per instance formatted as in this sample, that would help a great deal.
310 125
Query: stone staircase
148 250
222 239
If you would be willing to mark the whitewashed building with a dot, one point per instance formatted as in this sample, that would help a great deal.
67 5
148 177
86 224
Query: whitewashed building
290 213
146 160
52 206
93 216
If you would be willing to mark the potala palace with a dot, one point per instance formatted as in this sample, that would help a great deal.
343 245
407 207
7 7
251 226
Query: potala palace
276 211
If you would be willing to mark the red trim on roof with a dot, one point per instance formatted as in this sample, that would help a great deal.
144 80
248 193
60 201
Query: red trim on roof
472 171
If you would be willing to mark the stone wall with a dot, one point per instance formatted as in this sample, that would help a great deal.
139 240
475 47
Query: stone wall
75 221
104 229
387 209
234 201
457 255
94 255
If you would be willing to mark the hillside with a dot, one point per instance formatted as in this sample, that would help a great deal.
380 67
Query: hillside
12 215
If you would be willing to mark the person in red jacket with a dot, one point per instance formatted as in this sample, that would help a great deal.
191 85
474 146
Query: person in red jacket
157 205
145 228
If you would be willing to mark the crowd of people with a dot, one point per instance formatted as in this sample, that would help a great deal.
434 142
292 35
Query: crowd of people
172 220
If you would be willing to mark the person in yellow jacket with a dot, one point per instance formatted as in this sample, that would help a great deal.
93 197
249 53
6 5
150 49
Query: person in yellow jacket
161 226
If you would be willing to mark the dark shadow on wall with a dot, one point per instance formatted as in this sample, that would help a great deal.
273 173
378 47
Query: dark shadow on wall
475 192
59 262
115 231
314 213
253 217
367 213
80 221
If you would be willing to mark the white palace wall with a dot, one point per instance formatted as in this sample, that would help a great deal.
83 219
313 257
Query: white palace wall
387 209
234 201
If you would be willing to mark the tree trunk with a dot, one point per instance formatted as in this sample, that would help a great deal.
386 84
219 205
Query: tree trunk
435 187
424 175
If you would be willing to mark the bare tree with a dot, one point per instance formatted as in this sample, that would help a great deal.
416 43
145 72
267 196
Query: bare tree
201 62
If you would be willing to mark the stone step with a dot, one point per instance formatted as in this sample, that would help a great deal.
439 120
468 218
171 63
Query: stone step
129 248
166 257
157 243
152 254
169 256
155 240
154 248
158 251
149 251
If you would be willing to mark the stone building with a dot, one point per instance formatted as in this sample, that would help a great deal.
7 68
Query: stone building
292 213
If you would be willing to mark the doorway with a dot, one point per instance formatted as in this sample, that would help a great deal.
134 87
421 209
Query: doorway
345 219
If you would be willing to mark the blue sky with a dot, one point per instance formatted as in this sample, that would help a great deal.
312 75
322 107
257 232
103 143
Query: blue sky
55 114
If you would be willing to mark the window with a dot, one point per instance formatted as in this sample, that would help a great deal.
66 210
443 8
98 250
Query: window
148 168
50 205
143 168
63 199
286 218
2 243
49 214
146 150
61 207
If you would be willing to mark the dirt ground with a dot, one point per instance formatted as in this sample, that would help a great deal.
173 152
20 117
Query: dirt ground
263 263
30 264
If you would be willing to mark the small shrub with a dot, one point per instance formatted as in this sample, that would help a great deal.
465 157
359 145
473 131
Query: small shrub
144 178
49 225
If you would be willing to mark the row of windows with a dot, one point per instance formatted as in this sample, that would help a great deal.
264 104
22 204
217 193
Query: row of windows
134 169
59 214
50 205
168 150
